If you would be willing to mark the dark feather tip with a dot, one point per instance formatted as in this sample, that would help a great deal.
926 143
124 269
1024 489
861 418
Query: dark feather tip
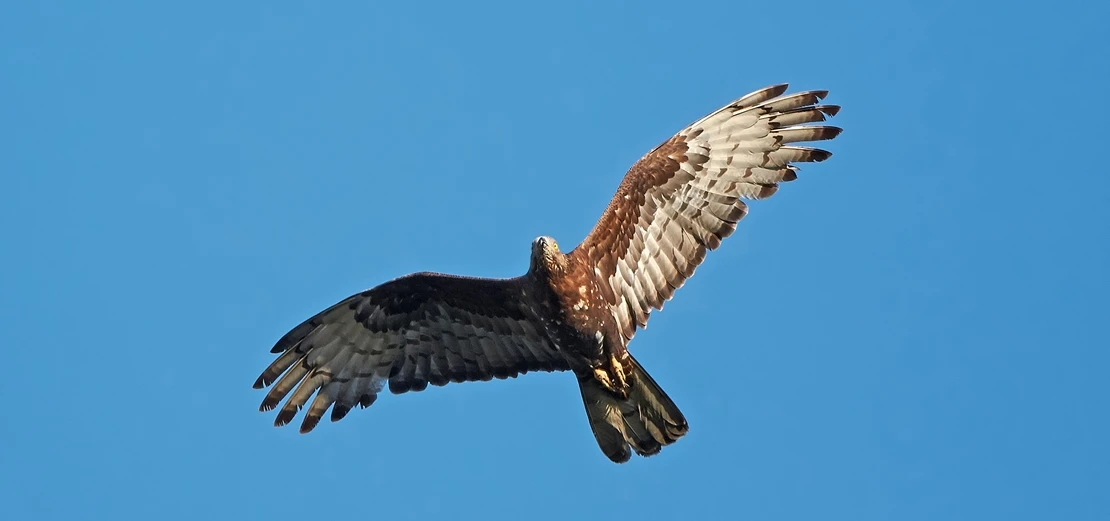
399 386
339 411
262 381
269 402
284 417
309 423
438 379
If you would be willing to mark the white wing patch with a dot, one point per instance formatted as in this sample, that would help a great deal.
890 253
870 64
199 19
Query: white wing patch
738 152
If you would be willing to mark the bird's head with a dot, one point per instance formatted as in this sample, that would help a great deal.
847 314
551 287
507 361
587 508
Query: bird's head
546 257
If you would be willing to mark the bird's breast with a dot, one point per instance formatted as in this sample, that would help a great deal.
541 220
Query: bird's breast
581 316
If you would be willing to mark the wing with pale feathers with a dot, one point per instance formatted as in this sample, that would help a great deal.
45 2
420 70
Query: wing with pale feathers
421 329
682 198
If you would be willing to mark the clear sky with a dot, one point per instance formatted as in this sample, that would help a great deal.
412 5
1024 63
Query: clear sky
916 329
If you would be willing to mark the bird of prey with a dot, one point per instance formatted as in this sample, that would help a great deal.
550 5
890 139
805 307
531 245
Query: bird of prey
575 311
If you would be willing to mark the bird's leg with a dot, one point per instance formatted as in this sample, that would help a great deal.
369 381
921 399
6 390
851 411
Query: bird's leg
610 373
617 369
612 378
601 375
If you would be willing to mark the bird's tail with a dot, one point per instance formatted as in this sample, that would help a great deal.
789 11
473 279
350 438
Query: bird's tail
648 420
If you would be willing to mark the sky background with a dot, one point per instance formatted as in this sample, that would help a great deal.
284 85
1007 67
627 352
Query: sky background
917 329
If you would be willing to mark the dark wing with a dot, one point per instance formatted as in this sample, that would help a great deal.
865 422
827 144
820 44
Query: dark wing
682 198
412 331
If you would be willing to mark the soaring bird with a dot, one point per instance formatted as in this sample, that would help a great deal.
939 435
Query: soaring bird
575 311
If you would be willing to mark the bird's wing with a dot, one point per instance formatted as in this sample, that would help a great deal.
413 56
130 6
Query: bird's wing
682 198
413 331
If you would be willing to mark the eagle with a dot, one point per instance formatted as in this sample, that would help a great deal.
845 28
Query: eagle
571 311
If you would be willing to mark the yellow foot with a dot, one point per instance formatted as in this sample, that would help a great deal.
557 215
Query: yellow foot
603 377
618 371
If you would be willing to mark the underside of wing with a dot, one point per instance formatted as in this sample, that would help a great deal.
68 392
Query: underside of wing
685 196
413 331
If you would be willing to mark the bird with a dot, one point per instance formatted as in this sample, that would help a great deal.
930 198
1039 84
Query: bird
573 311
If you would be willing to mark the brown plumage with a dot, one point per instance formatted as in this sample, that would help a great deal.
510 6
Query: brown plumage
576 311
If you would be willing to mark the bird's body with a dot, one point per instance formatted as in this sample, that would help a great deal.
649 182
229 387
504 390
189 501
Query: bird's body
576 311
567 302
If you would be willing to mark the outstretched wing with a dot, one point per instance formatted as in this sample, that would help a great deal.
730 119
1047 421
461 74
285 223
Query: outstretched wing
419 329
682 198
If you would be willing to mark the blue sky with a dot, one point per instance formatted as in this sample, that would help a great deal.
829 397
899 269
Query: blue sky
916 329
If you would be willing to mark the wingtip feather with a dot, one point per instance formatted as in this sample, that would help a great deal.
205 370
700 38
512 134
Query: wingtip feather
339 411
761 95
309 423
285 416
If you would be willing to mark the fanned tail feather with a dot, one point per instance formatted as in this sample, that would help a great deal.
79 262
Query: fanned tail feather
646 422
